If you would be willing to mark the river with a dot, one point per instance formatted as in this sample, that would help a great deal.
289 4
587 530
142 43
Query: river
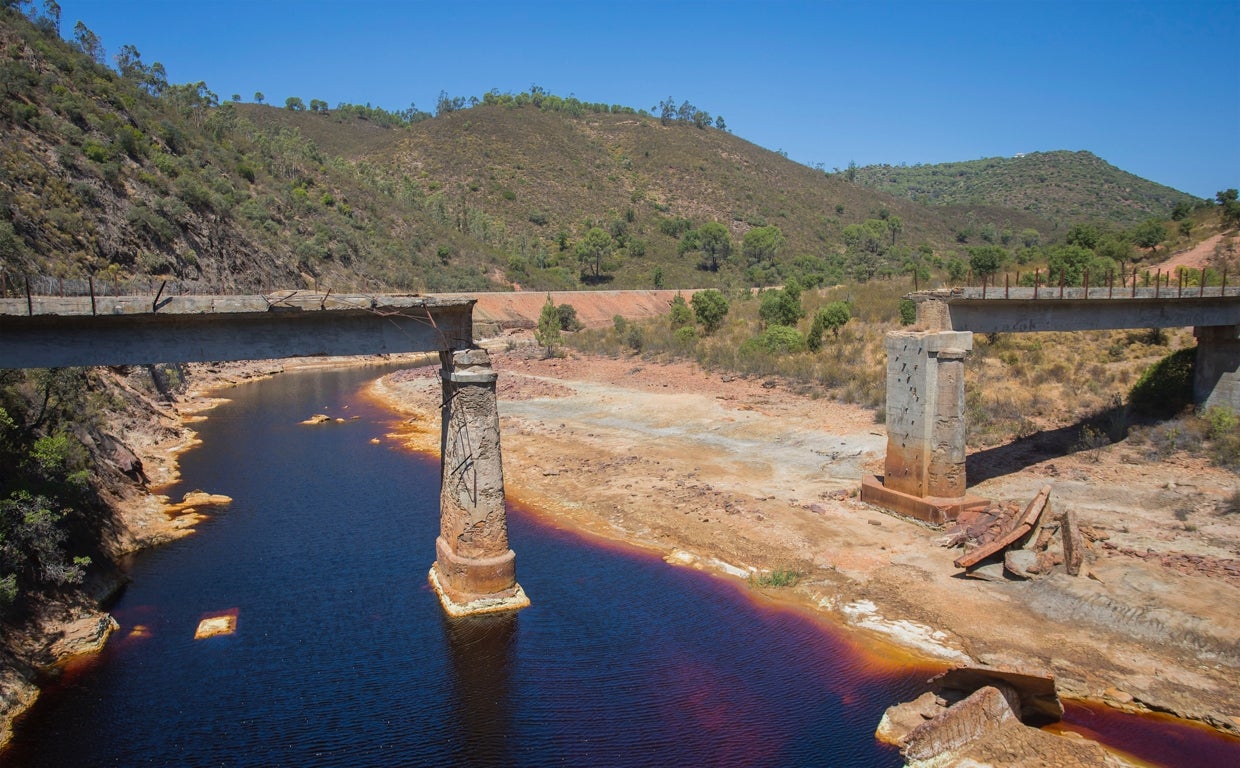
342 655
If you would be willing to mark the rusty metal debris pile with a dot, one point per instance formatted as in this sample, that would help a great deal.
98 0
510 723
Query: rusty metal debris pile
1007 541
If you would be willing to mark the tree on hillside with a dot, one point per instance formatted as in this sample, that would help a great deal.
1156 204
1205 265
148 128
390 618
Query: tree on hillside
761 245
895 225
1148 234
1070 262
258 97
986 260
1084 235
88 42
1229 201
593 251
710 307
294 104
548 332
715 244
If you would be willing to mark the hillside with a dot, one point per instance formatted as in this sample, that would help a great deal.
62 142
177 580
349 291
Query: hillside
1064 187
129 180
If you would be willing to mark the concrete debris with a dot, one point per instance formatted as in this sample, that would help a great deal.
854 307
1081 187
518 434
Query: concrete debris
978 716
1036 703
1005 540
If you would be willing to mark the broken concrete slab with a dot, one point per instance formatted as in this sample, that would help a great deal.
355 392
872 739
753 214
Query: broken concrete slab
979 714
1038 700
1024 525
1022 563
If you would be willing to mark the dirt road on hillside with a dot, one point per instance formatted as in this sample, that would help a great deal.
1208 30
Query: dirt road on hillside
739 477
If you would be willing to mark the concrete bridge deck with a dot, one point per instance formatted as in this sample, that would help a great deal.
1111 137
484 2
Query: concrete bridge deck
474 571
49 332
1022 310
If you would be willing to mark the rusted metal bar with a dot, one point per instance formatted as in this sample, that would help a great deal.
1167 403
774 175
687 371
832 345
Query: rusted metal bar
1134 282
29 302
983 286
90 280
155 303
1063 278
1202 292
1006 285
1180 291
1110 283
1157 283
1037 278
1087 283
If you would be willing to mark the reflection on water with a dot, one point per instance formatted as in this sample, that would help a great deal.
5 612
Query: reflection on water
480 649
342 656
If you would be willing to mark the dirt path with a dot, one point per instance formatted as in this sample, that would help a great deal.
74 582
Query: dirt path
731 475
1199 255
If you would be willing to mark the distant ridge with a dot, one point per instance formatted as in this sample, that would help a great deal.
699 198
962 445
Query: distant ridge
1061 186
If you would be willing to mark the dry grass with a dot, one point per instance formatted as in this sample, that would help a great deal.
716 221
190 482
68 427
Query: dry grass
1016 385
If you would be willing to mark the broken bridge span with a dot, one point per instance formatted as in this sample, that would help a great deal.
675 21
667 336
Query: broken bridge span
474 571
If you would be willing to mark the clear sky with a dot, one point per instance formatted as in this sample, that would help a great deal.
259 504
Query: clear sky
1151 86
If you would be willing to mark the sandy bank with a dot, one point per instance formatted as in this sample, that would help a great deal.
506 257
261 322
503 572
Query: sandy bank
731 475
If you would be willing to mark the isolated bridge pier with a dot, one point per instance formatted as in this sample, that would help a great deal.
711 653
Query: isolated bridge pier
924 471
1216 379
474 570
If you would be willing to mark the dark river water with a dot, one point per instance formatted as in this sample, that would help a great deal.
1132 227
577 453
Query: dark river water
342 656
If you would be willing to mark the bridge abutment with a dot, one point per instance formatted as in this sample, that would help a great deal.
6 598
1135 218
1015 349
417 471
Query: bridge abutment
474 570
1216 380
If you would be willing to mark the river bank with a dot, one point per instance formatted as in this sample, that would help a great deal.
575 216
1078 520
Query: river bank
742 477
739 477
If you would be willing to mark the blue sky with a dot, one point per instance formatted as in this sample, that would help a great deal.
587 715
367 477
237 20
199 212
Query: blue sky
1152 87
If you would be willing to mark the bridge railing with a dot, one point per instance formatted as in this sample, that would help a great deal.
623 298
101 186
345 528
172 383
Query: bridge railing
1181 283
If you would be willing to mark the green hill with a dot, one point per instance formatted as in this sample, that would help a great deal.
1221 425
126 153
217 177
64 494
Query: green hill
1064 187
128 179
123 178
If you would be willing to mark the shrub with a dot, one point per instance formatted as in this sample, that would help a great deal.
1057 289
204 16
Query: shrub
780 577
782 307
778 339
680 314
634 339
710 307
1167 387
908 311
833 316
568 318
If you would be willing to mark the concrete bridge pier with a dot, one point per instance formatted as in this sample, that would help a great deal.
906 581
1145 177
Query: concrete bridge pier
924 471
1217 377
474 570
